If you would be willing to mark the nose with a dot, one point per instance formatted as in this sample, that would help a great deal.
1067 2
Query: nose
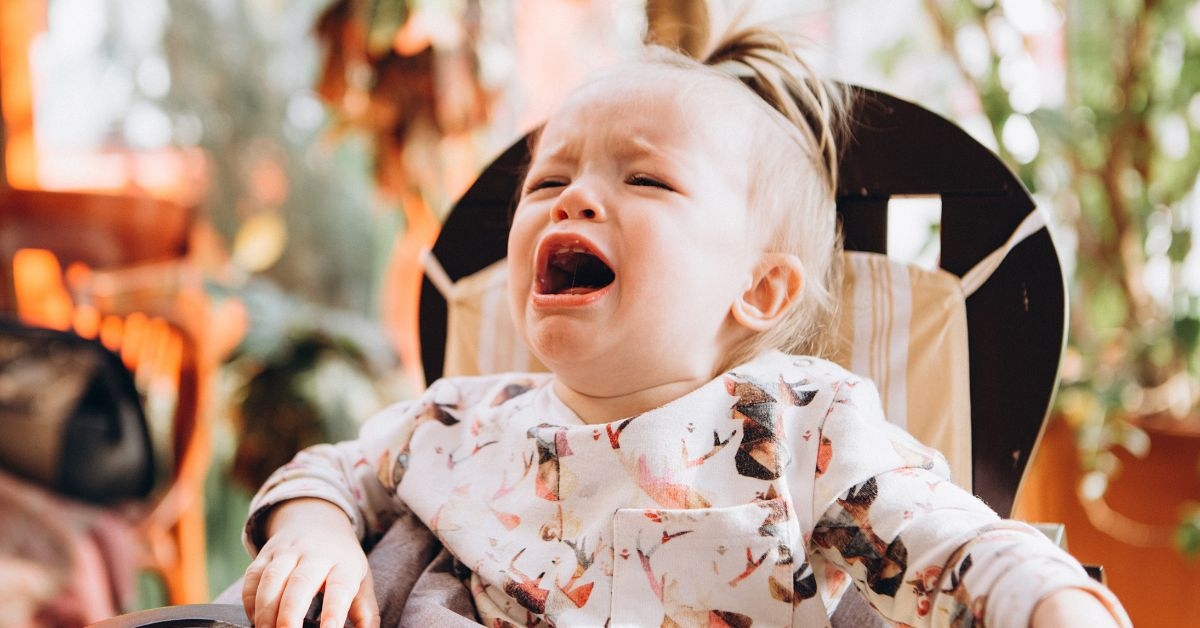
577 203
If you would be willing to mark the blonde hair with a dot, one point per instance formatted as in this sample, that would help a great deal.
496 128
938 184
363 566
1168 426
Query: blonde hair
793 178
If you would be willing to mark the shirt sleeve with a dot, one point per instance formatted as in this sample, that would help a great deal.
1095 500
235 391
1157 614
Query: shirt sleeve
359 476
921 550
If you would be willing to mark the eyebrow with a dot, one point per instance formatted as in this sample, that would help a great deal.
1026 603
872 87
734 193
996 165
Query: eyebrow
641 146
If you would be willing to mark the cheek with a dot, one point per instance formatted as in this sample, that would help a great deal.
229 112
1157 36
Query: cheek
518 296
672 281
517 240
521 241
700 279
516 311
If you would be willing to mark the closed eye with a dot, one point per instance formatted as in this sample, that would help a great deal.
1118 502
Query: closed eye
645 180
543 184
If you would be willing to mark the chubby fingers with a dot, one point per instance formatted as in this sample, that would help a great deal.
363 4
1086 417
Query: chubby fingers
250 587
279 589
309 577
349 594
265 579
364 610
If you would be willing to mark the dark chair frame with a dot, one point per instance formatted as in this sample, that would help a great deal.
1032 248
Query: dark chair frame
186 616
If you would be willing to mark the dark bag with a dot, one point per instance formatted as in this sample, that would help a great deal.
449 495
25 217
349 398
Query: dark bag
70 416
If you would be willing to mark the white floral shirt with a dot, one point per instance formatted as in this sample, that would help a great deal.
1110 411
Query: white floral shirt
756 499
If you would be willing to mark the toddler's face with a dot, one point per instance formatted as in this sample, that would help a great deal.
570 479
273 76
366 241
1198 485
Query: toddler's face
630 242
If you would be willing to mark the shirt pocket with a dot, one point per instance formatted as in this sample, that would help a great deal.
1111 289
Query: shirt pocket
702 567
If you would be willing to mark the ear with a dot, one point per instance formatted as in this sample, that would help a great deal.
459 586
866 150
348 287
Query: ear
775 284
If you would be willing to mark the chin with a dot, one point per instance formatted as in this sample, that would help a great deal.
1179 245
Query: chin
582 361
566 359
559 342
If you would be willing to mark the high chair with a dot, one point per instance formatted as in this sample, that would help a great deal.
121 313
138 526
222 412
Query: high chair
112 267
996 256
965 355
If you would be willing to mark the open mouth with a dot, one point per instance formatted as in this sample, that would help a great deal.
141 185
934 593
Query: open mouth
571 268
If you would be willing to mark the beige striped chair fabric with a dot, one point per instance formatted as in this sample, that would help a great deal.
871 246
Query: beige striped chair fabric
905 328
902 326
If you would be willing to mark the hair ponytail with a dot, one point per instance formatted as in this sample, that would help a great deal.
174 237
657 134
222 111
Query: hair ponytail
766 62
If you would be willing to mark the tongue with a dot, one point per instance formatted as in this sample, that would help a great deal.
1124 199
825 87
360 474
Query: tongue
578 290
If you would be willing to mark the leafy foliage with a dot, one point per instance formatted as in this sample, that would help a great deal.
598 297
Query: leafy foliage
1117 158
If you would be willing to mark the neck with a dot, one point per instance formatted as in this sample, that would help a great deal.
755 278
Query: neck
601 408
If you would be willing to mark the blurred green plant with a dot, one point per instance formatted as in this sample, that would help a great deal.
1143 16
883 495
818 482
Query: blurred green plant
302 375
1187 537
1095 105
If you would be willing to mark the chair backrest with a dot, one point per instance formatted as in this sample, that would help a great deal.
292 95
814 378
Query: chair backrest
1016 320
991 234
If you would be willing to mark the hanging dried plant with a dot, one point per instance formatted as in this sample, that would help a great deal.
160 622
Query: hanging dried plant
404 76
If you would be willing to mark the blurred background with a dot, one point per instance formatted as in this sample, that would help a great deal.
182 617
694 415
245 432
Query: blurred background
298 155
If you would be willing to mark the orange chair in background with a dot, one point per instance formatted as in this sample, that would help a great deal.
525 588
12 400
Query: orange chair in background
115 268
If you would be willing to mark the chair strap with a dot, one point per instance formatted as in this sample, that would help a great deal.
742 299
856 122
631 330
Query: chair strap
973 279
437 275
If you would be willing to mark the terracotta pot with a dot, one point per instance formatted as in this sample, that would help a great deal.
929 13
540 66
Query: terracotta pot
1129 534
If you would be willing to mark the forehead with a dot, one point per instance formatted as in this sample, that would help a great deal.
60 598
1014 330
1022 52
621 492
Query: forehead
647 106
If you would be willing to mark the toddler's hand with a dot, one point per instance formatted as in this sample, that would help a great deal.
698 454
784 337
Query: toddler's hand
310 547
